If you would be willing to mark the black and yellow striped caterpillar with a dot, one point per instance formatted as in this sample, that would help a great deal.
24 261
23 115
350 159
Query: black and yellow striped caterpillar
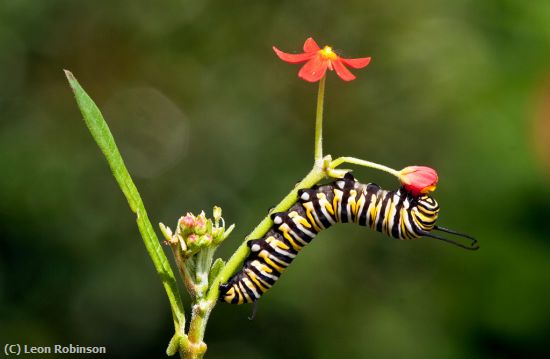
395 213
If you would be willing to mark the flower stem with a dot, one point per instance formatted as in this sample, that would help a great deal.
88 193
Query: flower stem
196 347
318 154
357 161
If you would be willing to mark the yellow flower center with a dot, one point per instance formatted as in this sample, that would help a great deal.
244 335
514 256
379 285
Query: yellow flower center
327 53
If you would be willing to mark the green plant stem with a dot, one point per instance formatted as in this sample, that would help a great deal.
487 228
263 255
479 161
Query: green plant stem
318 153
199 318
357 161
193 346
201 311
314 176
317 173
102 135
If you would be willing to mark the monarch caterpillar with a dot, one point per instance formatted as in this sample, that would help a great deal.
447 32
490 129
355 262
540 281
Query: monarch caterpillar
397 214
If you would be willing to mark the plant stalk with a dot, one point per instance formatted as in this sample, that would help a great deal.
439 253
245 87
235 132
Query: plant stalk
318 152
357 161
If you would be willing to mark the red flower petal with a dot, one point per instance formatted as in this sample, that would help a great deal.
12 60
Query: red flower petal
318 60
342 71
293 58
357 63
314 69
310 45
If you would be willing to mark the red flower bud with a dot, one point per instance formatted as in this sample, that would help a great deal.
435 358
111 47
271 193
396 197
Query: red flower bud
188 221
418 180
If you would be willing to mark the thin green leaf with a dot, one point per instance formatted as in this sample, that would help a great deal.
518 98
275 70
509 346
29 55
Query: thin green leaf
216 268
104 139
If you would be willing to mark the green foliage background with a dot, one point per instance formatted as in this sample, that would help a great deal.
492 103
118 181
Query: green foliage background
205 114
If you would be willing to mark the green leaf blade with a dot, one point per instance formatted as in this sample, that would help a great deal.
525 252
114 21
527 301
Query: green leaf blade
102 135
215 270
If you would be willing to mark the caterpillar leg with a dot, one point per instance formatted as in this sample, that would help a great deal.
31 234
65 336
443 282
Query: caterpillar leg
254 310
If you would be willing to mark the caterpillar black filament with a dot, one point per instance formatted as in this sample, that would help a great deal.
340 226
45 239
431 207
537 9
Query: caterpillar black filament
395 213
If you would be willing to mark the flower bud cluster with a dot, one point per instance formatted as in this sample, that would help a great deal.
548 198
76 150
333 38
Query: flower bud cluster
193 244
194 233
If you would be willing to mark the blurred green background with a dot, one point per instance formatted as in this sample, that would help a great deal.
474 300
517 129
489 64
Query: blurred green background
205 114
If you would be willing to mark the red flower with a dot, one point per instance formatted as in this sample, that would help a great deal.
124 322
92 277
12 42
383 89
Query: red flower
418 180
318 60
